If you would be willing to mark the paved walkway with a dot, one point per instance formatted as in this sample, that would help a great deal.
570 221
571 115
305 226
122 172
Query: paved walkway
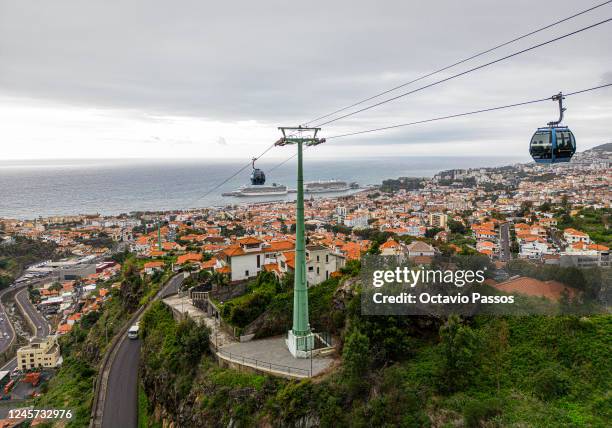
182 304
269 354
273 350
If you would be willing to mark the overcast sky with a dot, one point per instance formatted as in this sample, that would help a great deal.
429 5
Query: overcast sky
210 79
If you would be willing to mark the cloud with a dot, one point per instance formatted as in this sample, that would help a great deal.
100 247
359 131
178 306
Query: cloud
148 63
221 141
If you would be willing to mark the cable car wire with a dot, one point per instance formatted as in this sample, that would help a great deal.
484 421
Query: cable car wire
233 175
450 116
431 85
462 61
469 113
463 73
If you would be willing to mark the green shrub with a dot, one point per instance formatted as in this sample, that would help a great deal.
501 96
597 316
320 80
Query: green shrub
550 383
478 411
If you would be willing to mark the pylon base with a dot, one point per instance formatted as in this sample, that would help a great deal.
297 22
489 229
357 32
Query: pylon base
300 345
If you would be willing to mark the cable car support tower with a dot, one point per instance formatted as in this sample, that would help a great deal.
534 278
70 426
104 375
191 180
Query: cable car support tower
300 339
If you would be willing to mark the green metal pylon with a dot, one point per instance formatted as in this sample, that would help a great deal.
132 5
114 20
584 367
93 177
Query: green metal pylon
301 325
300 337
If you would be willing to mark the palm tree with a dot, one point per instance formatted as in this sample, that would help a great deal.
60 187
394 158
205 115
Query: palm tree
219 279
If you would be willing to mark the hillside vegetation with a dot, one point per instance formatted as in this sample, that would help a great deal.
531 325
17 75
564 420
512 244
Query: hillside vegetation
16 256
397 371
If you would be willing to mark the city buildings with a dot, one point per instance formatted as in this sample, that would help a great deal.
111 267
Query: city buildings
39 353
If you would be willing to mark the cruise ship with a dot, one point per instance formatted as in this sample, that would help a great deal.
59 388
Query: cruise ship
328 186
259 190
258 187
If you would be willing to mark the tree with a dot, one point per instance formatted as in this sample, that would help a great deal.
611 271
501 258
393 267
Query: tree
460 348
132 287
456 227
56 286
219 279
356 359
375 248
431 233
499 336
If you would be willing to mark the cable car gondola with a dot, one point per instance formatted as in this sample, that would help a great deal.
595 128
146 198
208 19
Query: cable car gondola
553 143
258 177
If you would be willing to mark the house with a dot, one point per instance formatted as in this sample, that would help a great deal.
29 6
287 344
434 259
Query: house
246 257
420 249
151 267
484 233
40 352
321 262
487 247
572 236
357 220
391 248
185 259
533 249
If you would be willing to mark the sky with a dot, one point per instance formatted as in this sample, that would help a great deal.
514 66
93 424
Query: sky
209 79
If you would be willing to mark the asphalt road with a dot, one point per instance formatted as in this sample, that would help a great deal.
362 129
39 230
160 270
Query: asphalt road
42 328
41 325
6 329
121 402
121 405
504 231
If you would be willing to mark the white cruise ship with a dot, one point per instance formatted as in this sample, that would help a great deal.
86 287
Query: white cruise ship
259 190
327 186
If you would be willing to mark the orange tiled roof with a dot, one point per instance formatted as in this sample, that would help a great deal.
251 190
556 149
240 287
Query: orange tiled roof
571 231
189 257
390 244
534 287
209 264
233 250
224 269
153 265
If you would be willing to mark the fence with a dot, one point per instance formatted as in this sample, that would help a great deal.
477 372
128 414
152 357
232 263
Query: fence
265 365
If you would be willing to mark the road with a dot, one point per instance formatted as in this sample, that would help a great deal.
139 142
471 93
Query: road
121 402
42 328
7 332
504 250
41 325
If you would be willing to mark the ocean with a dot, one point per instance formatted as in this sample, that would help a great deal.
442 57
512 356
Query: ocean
29 189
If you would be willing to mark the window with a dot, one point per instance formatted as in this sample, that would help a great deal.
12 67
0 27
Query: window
317 257
565 144
246 273
310 268
326 258
318 270
258 260
541 147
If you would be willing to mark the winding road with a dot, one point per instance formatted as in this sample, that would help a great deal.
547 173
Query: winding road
120 407
40 323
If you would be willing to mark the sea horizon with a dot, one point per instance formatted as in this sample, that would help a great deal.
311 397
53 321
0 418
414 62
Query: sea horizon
41 188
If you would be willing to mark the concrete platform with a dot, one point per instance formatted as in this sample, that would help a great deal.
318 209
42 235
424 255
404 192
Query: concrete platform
266 355
274 353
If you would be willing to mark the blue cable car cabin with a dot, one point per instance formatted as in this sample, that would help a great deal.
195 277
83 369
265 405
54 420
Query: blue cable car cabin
258 177
552 144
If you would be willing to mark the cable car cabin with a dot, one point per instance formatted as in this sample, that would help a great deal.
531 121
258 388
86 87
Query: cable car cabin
258 177
552 145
